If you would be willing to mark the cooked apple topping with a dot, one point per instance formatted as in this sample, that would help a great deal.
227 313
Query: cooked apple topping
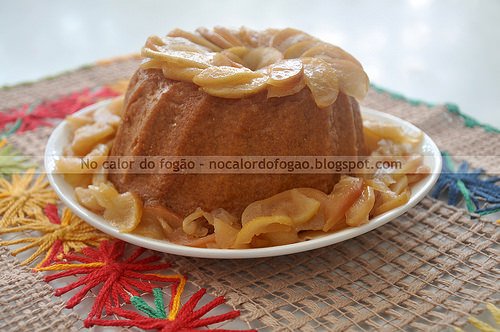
121 210
237 63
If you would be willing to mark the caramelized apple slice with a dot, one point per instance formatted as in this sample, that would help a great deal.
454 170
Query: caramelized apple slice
310 235
100 176
104 194
286 90
78 180
296 50
116 106
225 234
291 203
400 185
265 38
120 210
392 132
322 80
359 212
283 35
410 166
393 203
287 37
86 137
154 41
285 78
159 212
125 212
180 73
261 225
179 237
261 57
238 91
179 58
105 116
196 224
77 121
226 228
285 72
239 51
353 80
195 39
148 63
421 172
85 198
371 138
214 38
318 221
155 229
230 36
227 59
249 37
378 185
343 196
224 75
181 44
329 52
280 238
281 213
76 165
157 222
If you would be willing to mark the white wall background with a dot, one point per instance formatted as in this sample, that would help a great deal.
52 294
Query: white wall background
439 51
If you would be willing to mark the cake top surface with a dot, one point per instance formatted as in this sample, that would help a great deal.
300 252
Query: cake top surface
236 63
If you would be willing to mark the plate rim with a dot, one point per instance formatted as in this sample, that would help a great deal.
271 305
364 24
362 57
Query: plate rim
98 222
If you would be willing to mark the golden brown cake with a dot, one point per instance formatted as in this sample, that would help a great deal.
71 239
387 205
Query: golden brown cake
228 92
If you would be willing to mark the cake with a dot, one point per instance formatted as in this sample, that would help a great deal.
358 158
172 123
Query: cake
223 93
239 92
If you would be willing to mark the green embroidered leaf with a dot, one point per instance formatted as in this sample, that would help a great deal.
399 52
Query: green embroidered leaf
11 161
480 192
141 305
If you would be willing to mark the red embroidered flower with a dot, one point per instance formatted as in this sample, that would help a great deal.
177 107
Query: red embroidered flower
119 276
186 318
29 117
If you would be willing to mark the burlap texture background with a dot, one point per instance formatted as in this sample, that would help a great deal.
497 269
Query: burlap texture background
427 270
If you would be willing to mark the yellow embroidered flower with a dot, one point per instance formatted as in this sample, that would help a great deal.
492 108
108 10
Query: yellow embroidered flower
483 326
24 197
58 236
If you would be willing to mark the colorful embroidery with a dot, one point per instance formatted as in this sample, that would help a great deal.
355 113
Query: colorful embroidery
24 197
59 236
469 121
119 276
480 193
11 161
29 117
483 326
27 205
186 318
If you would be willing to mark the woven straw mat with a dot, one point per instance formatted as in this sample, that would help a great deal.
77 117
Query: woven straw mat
427 270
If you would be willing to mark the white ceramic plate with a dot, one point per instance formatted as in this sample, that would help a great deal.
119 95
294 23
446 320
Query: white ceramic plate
61 137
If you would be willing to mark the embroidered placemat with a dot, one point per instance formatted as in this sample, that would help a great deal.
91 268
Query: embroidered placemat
430 269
